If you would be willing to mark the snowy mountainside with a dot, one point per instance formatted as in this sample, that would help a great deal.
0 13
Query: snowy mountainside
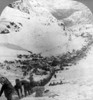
52 28
19 5
7 27
37 23
40 32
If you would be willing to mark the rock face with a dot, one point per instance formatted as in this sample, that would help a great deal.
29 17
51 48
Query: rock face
46 27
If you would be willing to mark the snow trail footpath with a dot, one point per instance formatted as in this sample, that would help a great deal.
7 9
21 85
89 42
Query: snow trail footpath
66 92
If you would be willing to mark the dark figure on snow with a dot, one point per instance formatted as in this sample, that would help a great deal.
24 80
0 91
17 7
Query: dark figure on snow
18 88
7 88
27 87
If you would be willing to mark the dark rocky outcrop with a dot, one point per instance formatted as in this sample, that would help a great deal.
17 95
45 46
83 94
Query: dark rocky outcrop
42 82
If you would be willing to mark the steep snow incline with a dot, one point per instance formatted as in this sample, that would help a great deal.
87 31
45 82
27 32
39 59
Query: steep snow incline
40 30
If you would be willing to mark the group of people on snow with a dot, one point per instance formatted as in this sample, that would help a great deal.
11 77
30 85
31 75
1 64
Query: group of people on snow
21 88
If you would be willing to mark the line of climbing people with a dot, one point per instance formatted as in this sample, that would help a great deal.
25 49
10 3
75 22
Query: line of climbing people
10 90
22 88
22 85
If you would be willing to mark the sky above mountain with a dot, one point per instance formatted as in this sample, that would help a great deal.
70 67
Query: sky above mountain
4 3
88 3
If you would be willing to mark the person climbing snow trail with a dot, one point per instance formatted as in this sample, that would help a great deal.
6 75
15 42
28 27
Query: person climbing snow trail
8 89
18 88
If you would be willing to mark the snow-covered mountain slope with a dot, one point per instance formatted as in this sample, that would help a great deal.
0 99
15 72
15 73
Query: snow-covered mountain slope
46 27
51 27
42 26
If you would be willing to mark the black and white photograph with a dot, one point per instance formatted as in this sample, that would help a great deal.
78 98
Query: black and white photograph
46 49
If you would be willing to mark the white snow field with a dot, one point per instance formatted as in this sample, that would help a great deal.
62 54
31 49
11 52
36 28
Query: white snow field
50 27
38 26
